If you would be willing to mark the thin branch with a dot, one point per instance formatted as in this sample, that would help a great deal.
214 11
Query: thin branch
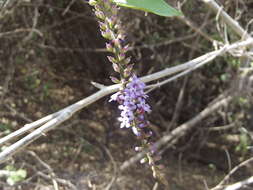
227 19
34 25
180 131
222 128
53 120
68 7
20 30
110 89
98 85
221 184
202 60
115 169
240 184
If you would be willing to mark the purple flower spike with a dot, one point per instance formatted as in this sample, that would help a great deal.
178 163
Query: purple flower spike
133 105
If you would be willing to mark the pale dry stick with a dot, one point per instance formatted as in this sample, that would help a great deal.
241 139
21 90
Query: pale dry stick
240 184
222 128
180 101
228 159
221 184
68 7
20 30
195 28
204 60
178 106
155 76
235 26
61 181
227 19
205 184
115 169
52 174
34 25
155 186
16 113
173 136
29 127
106 91
44 164
66 113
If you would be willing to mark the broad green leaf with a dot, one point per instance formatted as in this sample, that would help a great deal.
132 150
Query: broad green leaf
159 7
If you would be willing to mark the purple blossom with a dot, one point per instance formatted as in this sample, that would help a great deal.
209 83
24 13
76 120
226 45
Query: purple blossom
133 106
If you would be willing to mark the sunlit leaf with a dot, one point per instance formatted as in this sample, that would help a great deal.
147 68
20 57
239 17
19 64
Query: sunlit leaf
159 7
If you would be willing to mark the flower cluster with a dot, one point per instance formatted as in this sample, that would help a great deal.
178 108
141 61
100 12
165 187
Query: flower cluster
133 106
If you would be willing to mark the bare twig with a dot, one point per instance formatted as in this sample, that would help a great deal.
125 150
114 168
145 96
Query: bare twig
115 169
227 19
61 181
98 85
195 28
221 184
53 120
68 7
20 30
202 60
178 106
240 184
52 175
173 136
222 128
35 22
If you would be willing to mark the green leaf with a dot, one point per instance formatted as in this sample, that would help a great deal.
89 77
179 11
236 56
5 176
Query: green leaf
16 176
159 7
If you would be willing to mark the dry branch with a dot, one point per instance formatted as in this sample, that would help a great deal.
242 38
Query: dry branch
54 120
173 136
227 177
227 19
240 184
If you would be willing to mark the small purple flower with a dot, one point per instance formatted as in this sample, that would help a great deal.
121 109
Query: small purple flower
133 105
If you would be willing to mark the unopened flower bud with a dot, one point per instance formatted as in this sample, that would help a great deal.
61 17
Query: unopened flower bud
116 43
102 26
128 70
112 59
109 47
100 15
116 67
121 56
125 48
127 60
110 22
115 80
107 34
92 2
